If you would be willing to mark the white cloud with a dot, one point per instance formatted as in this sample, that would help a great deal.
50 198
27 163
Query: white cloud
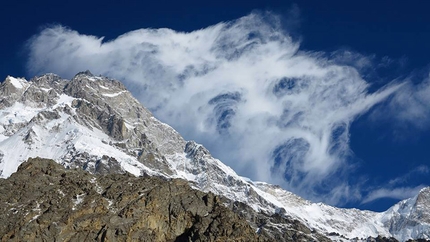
395 193
404 179
410 105
399 187
242 88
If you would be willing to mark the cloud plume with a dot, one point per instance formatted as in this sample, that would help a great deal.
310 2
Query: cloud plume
395 193
242 88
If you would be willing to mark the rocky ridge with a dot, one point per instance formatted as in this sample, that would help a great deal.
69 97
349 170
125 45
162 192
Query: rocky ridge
73 205
95 124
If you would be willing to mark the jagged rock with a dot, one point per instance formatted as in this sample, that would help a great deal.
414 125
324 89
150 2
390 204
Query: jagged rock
73 205
379 239
412 215
268 225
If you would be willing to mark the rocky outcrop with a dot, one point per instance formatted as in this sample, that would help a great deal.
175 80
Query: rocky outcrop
45 202
411 215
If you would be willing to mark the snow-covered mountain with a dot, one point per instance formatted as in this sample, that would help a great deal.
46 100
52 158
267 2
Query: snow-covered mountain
94 123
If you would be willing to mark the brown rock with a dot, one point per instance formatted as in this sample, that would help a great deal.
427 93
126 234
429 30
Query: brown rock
45 202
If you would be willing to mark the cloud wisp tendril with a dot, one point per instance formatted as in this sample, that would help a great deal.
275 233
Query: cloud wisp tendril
243 88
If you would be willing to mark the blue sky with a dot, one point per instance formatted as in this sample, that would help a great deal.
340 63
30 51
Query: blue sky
379 152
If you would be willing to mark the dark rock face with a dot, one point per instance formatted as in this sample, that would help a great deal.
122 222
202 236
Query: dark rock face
381 239
43 201
268 225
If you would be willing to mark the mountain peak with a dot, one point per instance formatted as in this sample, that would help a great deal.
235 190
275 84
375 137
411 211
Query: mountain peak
85 73
18 83
95 124
422 205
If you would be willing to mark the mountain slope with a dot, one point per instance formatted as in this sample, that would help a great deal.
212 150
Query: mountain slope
94 123
409 218
110 208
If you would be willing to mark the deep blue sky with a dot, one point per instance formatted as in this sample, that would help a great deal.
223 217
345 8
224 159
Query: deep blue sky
384 28
398 30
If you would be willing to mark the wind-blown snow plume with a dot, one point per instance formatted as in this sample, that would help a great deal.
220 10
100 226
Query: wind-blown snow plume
242 88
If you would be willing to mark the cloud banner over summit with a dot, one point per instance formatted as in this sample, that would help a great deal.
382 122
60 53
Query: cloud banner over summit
244 89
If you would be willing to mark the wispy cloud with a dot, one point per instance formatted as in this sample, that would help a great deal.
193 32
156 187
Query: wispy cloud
409 107
243 88
404 179
395 193
399 187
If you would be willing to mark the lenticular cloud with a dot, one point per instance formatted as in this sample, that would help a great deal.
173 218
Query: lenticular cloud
242 88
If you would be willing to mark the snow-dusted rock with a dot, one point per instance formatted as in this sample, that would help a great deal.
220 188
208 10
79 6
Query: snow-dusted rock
94 123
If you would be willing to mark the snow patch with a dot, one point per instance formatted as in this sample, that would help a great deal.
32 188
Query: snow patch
64 100
61 193
38 210
99 189
113 94
17 82
78 200
45 89
129 126
17 113
94 78
103 87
